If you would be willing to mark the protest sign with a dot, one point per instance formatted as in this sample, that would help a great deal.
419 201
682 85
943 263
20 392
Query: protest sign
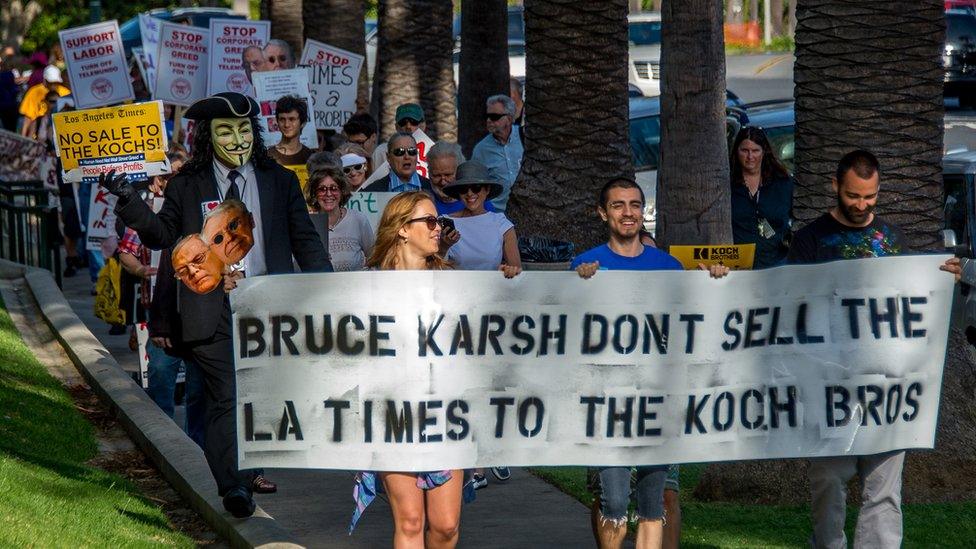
142 336
20 157
149 28
301 171
370 205
181 75
129 138
228 40
733 256
101 217
97 69
334 75
273 85
432 370
424 143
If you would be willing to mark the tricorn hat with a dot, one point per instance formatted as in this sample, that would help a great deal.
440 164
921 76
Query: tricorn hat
470 173
223 105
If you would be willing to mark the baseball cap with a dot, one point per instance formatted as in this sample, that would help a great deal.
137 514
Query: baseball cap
409 110
52 74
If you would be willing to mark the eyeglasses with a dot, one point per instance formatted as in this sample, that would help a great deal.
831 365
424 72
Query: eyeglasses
279 58
400 151
411 121
470 188
354 168
327 190
496 116
231 227
431 221
360 142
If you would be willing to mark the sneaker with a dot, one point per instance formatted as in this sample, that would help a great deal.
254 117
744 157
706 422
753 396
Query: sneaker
501 473
479 481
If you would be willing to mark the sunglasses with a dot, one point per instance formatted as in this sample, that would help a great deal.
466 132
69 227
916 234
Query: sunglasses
400 151
354 168
327 190
231 227
470 188
431 221
279 58
410 121
496 116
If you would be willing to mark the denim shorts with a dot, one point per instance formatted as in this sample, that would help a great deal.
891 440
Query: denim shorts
672 483
613 487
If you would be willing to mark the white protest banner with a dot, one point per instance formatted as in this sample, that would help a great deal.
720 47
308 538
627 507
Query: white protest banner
101 217
128 138
149 28
228 40
20 157
334 75
424 143
97 69
431 370
181 75
272 86
142 336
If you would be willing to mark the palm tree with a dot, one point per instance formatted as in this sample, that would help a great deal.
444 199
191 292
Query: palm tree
869 76
286 21
693 194
339 23
576 105
413 64
484 65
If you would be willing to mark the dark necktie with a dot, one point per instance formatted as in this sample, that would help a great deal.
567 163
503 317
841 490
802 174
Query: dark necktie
234 192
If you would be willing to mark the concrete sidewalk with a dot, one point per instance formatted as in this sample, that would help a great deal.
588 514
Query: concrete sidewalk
316 506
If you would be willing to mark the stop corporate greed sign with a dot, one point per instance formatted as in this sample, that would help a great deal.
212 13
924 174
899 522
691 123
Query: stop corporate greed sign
228 40
181 76
421 370
128 138
333 75
97 69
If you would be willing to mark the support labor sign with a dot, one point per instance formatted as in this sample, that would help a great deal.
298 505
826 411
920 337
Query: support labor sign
334 76
228 40
181 76
412 371
97 69
128 138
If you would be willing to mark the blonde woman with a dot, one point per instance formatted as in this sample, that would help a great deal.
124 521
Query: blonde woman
426 506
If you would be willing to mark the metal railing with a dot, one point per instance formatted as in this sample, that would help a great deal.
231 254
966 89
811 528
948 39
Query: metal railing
29 226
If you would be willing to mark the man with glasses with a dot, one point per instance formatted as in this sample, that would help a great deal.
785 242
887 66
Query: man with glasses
361 130
402 157
278 55
501 150
409 117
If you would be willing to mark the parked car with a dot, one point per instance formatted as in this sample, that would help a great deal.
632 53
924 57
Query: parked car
197 17
644 52
776 117
959 56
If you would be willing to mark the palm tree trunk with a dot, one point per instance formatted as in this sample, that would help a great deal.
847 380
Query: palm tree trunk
869 76
339 23
693 196
413 64
484 65
576 100
286 22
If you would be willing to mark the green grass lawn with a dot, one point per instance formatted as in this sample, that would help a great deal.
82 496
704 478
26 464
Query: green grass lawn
706 525
49 497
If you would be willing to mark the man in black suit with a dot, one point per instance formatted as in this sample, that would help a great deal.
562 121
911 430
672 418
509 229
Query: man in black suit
402 158
229 162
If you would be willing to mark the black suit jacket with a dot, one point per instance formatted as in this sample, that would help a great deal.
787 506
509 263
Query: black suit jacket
383 185
287 229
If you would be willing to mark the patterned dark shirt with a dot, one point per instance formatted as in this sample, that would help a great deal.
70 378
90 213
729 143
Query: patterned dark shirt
826 239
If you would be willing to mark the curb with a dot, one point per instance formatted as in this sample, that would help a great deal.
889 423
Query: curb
179 459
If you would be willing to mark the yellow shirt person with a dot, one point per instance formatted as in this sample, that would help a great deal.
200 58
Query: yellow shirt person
33 105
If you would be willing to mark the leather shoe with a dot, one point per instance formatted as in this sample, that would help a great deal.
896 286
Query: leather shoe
239 502
262 485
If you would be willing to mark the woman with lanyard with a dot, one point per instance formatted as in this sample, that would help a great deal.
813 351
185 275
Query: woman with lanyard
762 197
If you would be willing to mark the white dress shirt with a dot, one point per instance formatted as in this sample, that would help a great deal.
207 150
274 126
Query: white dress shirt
247 184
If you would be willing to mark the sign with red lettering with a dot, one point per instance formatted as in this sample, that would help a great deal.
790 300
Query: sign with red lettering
231 42
97 69
333 76
184 58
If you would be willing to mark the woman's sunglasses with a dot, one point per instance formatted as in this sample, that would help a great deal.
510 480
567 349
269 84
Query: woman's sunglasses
431 221
354 168
472 188
400 151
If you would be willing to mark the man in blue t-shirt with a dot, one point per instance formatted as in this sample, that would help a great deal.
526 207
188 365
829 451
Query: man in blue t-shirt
621 205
